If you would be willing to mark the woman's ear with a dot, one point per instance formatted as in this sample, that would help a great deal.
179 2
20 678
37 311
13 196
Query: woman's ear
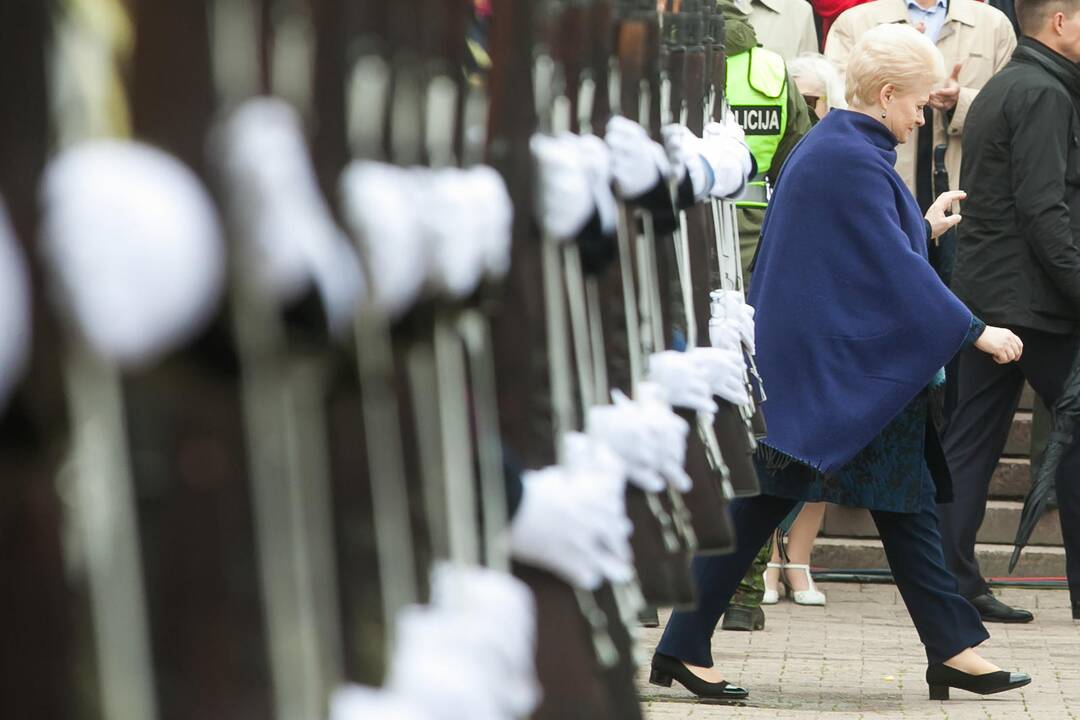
886 94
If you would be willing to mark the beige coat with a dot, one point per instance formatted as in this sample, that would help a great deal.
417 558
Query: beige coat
784 26
976 35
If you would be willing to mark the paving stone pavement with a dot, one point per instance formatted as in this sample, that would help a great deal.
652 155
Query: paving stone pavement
860 657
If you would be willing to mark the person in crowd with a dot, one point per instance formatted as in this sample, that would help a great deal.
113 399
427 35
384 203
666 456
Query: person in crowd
784 26
853 328
770 110
976 41
821 86
826 12
1018 264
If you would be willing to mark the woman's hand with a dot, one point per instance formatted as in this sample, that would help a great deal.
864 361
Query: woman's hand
940 223
1002 344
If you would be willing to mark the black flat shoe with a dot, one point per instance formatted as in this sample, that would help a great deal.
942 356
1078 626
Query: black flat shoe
942 677
743 618
649 617
993 610
666 668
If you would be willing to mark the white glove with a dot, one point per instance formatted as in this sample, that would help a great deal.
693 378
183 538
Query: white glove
133 242
684 153
441 667
277 209
574 524
724 334
626 432
596 158
494 216
737 310
686 383
379 203
499 613
564 201
15 322
726 371
637 161
724 149
354 702
448 220
669 433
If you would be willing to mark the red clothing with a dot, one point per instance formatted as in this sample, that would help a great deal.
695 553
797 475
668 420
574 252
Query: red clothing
828 11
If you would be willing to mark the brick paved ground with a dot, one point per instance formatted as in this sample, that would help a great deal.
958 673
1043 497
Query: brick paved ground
860 657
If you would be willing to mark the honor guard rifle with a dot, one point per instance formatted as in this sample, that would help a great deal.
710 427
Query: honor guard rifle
576 654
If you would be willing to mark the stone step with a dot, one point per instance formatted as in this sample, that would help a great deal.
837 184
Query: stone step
847 553
1011 480
1027 398
1019 442
999 525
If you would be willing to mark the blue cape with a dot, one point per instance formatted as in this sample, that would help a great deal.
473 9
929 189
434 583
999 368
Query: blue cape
852 322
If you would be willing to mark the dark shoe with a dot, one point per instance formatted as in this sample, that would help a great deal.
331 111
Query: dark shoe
666 668
743 618
993 610
942 677
1076 610
649 618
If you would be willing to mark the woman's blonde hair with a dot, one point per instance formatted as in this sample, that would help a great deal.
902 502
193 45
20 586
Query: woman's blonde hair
893 53
817 67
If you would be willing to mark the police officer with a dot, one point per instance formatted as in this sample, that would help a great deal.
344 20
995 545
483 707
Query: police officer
770 111
774 117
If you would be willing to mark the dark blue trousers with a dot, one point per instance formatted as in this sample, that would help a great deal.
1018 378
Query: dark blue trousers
946 622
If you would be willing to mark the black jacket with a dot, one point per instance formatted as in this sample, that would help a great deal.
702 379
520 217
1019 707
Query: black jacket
1018 247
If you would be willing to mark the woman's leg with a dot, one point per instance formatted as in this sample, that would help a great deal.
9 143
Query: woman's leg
948 625
688 634
800 543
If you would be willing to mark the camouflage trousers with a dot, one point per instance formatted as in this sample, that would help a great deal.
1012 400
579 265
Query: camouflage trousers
752 586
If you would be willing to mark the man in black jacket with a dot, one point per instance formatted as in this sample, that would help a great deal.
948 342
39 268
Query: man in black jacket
1018 266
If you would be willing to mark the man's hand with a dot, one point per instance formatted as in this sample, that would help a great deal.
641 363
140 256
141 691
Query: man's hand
945 98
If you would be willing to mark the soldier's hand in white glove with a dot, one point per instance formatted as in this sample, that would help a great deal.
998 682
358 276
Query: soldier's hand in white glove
449 220
596 157
724 149
623 428
355 702
441 666
725 370
686 383
564 201
638 163
498 613
684 154
743 315
378 204
668 430
495 217
574 525
132 239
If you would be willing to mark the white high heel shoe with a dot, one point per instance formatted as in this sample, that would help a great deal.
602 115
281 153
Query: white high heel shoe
771 597
810 596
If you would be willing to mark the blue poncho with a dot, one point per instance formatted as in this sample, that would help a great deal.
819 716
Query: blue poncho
852 322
